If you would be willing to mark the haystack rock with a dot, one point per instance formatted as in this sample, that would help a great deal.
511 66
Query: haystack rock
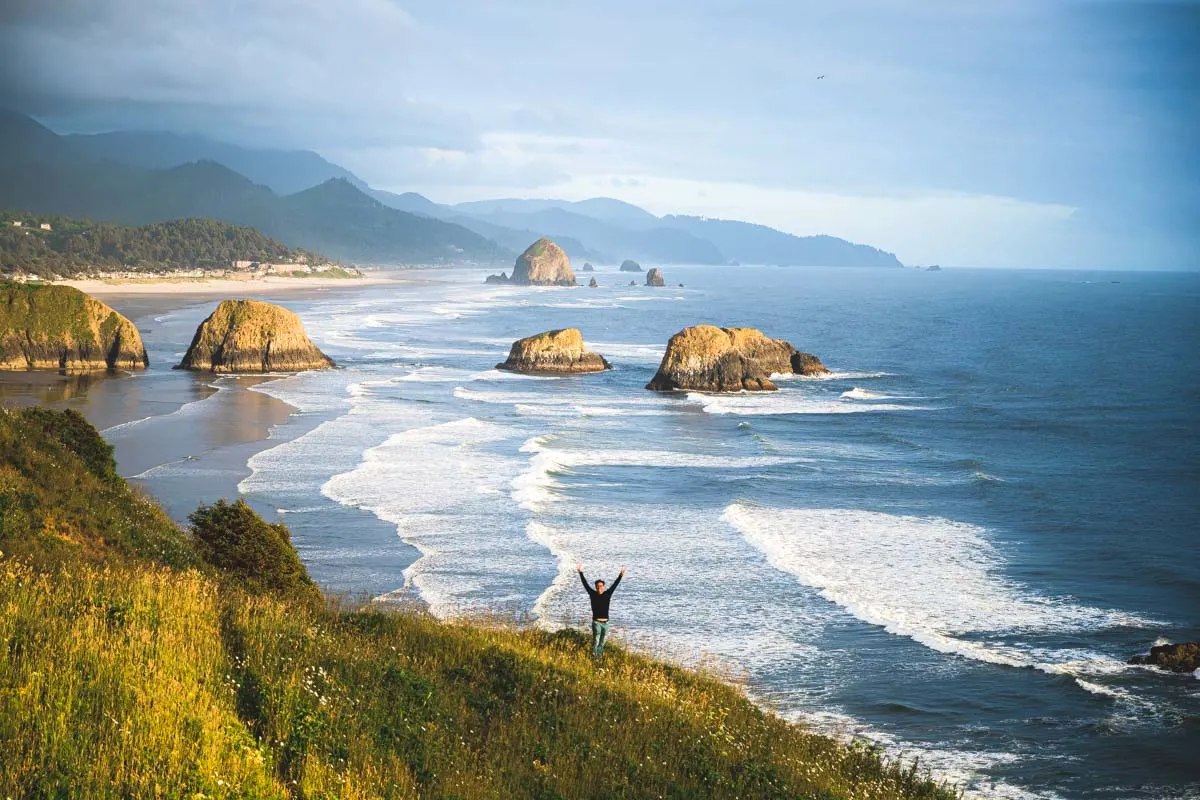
592 284
705 358
629 265
252 336
543 264
1182 657
58 327
654 277
587 267
553 352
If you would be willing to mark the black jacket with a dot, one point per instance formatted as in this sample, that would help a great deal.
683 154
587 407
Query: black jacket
600 601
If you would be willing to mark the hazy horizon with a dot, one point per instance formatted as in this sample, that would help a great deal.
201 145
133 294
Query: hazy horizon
1024 134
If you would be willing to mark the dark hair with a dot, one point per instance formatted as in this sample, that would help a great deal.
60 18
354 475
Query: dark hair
599 581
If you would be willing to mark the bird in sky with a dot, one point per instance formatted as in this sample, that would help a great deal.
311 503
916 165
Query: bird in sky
819 77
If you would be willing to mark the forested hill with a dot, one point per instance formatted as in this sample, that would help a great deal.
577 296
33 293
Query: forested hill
73 247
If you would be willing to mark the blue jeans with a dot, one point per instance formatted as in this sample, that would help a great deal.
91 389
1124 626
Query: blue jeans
599 631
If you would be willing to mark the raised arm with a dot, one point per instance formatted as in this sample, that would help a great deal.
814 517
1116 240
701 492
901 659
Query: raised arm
615 583
583 580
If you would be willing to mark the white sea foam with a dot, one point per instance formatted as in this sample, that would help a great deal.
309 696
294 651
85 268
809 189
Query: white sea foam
936 581
787 402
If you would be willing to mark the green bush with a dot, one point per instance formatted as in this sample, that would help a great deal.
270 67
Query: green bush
254 553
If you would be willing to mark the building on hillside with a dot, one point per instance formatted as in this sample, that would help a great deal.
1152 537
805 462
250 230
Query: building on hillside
16 223
45 226
242 265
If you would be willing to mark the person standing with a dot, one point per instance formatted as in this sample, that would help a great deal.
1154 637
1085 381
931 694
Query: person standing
599 598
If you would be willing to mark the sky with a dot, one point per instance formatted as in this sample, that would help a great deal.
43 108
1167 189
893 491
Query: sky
1022 133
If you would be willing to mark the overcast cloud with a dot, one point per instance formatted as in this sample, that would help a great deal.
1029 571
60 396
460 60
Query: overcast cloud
1012 133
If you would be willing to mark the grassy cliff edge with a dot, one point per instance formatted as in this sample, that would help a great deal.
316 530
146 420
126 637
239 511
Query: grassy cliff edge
143 660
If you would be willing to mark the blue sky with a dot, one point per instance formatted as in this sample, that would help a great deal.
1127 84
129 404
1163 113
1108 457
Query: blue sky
970 133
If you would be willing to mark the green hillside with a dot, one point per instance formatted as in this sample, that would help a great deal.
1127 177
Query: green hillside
75 247
144 660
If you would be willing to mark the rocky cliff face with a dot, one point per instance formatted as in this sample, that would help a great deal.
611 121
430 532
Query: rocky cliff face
629 265
57 327
252 336
543 264
654 277
706 358
555 352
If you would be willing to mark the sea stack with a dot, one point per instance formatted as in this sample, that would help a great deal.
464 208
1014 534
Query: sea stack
705 358
58 327
252 336
543 263
587 267
559 352
654 277
592 284
629 265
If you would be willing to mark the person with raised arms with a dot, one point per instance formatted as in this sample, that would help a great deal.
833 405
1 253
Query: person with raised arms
600 599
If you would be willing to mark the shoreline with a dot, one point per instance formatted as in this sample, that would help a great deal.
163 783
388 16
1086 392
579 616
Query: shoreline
204 286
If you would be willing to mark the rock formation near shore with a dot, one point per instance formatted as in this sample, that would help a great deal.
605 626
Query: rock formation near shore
592 284
543 263
1182 657
629 265
252 336
705 358
654 277
807 364
587 267
553 352
58 327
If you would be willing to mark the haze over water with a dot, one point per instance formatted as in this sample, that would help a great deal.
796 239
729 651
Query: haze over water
952 545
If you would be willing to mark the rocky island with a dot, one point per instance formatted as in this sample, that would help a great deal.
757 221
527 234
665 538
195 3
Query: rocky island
592 284
59 327
654 277
252 336
543 263
587 267
629 265
1182 657
705 358
559 352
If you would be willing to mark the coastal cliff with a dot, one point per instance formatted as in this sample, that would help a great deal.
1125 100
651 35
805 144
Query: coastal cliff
706 358
252 336
58 327
553 352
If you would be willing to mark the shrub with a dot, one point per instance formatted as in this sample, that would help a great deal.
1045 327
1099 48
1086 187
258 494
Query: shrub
256 554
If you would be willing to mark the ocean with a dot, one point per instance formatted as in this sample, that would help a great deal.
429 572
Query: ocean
950 546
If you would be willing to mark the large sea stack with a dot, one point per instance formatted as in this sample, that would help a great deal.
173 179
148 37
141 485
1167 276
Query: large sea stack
705 358
587 267
58 327
629 265
252 336
654 277
543 264
558 352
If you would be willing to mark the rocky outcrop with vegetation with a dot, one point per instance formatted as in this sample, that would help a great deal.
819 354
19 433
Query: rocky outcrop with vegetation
705 358
629 265
654 277
58 327
543 263
553 352
252 336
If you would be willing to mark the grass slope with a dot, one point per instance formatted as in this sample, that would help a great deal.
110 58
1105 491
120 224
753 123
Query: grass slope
134 665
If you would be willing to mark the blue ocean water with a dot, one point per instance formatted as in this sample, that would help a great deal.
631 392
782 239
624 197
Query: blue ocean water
951 545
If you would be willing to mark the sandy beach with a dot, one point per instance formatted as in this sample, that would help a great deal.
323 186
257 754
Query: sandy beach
198 287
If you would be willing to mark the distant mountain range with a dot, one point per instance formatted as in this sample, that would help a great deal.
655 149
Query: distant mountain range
302 199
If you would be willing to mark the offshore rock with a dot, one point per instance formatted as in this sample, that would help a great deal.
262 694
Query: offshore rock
252 336
629 265
705 358
654 277
501 278
543 264
587 267
58 327
1182 657
592 284
807 364
558 352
